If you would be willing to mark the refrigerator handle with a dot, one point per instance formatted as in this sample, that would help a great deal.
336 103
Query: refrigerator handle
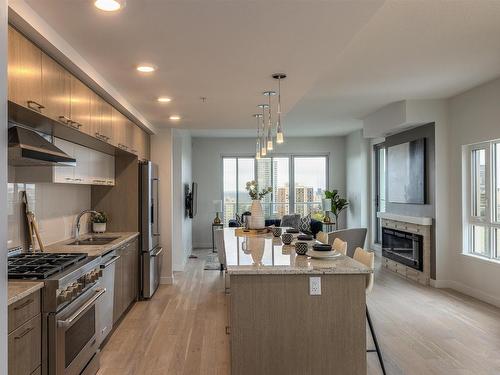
156 210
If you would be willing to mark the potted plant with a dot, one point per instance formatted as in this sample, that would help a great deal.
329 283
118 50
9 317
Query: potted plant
339 204
99 221
257 220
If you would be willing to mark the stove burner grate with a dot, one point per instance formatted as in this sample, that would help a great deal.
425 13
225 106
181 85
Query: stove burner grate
41 265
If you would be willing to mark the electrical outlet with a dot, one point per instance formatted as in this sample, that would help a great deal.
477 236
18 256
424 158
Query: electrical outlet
315 286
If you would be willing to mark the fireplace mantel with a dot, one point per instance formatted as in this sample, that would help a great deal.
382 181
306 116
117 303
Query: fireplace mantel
405 219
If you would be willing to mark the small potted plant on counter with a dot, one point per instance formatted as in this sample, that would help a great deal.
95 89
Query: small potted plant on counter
99 221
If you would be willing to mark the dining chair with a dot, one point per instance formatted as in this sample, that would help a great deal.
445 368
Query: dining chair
221 253
368 259
340 246
322 237
355 237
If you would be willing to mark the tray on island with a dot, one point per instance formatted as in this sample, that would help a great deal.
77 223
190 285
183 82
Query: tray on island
250 232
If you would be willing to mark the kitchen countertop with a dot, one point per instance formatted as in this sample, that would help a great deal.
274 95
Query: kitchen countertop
92 250
20 289
267 255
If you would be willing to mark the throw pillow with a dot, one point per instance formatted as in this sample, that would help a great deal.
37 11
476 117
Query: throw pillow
239 220
290 221
305 223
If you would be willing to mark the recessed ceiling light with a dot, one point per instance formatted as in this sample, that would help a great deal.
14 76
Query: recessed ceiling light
109 5
164 99
175 117
146 68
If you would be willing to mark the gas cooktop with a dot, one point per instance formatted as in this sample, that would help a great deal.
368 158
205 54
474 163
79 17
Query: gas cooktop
41 265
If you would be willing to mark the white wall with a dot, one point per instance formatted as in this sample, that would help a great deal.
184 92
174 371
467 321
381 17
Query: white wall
207 153
474 117
161 154
357 179
56 221
181 225
3 186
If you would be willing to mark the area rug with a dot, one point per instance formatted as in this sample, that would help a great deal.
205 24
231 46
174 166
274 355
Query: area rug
212 262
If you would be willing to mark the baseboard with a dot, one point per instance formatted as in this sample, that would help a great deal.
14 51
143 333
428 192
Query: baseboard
178 267
167 280
465 289
202 245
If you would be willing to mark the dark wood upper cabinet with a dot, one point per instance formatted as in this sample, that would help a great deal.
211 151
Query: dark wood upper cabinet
24 72
38 82
56 90
80 105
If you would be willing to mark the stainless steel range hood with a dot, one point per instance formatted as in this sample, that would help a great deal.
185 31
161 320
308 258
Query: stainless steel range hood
29 148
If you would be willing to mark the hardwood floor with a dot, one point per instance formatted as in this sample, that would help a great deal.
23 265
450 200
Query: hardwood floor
420 330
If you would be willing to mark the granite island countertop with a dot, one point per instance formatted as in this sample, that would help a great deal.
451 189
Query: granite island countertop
92 250
267 255
20 289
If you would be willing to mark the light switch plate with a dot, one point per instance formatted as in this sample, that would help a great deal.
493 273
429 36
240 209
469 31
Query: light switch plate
315 286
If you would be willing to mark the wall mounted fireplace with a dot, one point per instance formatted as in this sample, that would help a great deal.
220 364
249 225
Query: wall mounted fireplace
403 247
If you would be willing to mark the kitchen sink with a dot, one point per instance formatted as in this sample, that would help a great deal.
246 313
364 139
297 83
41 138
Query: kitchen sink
96 241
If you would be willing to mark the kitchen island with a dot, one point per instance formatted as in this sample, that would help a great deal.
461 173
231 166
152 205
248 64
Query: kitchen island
275 324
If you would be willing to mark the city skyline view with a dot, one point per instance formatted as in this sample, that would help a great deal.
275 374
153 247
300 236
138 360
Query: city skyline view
309 175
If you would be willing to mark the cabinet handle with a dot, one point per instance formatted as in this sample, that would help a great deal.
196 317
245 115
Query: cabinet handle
28 330
36 106
228 330
69 179
65 120
24 304
78 179
76 125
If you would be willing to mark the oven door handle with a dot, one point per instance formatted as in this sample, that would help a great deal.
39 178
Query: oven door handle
81 310
110 262
160 250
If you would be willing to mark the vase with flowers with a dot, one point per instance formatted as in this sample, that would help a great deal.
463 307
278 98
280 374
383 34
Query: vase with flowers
257 219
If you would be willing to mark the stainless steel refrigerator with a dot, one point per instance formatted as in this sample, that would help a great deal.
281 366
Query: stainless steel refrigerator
151 251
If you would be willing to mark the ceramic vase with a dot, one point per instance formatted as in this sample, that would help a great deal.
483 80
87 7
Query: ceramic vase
257 220
99 227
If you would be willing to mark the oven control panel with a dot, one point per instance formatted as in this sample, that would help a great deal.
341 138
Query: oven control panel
80 285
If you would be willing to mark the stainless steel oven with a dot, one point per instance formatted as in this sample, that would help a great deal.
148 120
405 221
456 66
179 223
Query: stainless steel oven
72 334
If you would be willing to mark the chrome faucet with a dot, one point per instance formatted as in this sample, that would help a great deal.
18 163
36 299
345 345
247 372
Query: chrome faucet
77 232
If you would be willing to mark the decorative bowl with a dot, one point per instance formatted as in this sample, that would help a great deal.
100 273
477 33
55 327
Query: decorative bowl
322 247
287 238
276 231
305 237
301 248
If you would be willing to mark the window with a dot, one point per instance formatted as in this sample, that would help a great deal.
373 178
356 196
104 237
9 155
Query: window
275 172
379 155
482 227
307 175
309 184
236 172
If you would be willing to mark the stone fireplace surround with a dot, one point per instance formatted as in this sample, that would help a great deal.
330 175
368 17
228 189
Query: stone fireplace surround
416 225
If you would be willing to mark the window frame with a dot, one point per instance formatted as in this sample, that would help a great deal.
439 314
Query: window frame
291 172
489 220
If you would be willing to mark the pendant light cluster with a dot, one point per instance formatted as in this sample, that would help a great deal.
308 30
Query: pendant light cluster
266 128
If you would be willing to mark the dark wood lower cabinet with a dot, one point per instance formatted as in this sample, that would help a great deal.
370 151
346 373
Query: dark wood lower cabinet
25 335
126 278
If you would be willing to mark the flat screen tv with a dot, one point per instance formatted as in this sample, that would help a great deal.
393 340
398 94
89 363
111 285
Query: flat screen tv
191 197
406 172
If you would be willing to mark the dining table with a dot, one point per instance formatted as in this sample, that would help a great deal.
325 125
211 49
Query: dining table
278 322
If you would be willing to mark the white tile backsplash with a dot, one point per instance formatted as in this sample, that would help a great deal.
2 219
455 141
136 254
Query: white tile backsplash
55 206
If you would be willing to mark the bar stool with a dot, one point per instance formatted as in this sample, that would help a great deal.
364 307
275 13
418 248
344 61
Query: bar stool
368 259
340 246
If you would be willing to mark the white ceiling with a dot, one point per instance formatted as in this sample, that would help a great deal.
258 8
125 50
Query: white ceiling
344 59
